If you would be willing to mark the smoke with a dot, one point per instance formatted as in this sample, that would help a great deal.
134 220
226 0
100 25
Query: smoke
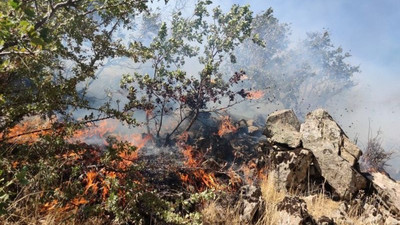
294 74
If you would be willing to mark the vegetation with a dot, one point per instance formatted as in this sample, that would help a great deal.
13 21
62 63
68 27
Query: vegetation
50 53
375 158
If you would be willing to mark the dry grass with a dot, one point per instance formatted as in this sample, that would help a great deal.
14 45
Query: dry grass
271 197
213 213
319 205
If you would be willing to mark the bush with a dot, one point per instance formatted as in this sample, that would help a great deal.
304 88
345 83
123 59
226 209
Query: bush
375 157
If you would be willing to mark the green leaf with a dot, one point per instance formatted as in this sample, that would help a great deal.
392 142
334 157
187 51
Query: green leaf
29 12
21 176
37 41
14 4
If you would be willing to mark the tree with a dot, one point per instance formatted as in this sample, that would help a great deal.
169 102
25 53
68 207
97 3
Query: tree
48 50
302 76
169 89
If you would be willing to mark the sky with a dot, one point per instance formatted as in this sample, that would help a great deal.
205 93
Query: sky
369 30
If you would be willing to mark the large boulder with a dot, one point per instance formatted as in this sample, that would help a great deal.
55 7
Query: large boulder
335 154
290 169
283 128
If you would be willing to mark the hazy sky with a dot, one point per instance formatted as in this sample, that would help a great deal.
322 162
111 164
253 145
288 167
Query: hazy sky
369 30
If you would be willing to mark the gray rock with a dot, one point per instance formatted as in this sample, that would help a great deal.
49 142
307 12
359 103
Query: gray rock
388 191
283 128
334 153
324 220
293 210
250 206
290 169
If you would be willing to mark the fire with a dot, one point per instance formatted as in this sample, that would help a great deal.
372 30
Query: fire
101 130
29 130
190 160
49 206
91 176
255 94
184 177
226 126
200 178
128 157
208 178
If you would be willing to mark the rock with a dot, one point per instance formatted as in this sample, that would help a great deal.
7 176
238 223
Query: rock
323 220
283 128
371 215
321 131
250 206
387 190
290 169
293 210
334 153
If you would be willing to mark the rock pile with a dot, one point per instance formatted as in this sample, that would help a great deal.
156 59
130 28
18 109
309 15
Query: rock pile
317 154
320 143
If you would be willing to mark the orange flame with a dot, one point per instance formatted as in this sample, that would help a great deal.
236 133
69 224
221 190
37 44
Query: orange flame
226 126
91 176
29 130
255 94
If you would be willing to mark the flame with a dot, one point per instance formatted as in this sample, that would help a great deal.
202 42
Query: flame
184 177
190 160
200 176
49 206
208 178
128 157
101 130
91 176
29 130
255 94
226 126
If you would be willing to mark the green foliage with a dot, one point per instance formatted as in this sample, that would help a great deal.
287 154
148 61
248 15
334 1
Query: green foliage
170 89
49 52
48 49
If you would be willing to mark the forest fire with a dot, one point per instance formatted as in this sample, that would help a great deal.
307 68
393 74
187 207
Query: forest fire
28 130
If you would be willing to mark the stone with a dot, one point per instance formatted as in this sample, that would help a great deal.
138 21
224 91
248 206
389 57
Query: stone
350 152
290 169
324 220
293 210
387 190
327 141
283 128
250 206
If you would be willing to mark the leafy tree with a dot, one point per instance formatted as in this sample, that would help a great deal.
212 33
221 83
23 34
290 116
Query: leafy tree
48 50
301 76
170 90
